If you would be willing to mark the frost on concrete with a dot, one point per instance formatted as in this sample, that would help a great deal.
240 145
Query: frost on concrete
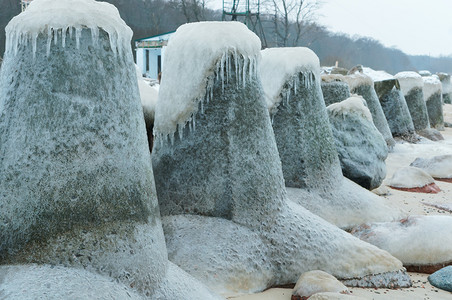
309 157
334 89
446 85
438 166
411 84
394 105
21 282
434 102
416 241
361 147
363 85
222 180
317 281
75 169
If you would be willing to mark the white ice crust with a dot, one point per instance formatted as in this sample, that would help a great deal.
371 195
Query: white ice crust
358 79
420 240
377 75
410 177
148 95
280 64
409 80
432 85
181 91
352 105
59 19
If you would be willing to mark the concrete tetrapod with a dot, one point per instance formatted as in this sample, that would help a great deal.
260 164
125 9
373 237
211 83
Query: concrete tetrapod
334 88
446 85
411 84
433 99
219 179
310 162
76 179
393 104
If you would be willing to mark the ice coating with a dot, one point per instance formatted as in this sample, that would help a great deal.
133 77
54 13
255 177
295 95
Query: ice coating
437 166
276 72
63 18
432 85
351 105
410 177
183 91
409 80
148 95
377 75
358 79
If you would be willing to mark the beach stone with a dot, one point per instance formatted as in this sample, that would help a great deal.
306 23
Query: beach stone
431 134
394 107
316 281
234 180
361 147
75 171
439 167
422 243
334 89
442 279
334 296
412 179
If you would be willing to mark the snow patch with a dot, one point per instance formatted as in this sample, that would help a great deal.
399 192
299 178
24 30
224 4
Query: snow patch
64 18
221 45
279 65
410 177
332 77
148 96
358 79
432 85
377 75
437 166
409 80
352 105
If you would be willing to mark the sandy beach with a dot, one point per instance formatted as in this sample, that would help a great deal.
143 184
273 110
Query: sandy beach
413 203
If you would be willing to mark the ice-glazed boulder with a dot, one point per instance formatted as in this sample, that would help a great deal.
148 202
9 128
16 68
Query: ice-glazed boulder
310 161
439 167
361 147
393 103
363 85
411 84
219 179
422 243
446 86
433 99
76 179
334 89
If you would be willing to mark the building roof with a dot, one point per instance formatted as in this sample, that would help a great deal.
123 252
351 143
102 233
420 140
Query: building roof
154 36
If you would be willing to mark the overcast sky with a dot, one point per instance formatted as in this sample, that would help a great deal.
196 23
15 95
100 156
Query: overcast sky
413 26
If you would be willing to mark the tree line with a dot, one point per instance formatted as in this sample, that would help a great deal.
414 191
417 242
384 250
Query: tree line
284 23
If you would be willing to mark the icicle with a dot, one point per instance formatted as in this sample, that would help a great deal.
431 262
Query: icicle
49 40
78 34
244 70
172 138
55 36
236 68
190 126
194 122
70 32
63 37
95 35
202 107
222 72
33 42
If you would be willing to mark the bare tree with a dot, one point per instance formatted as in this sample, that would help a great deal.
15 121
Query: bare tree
194 10
291 19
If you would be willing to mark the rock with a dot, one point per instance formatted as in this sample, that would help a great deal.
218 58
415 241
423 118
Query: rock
310 162
411 84
75 173
215 176
413 179
363 85
394 107
442 279
422 243
443 206
334 89
334 296
317 281
361 147
439 167
434 102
